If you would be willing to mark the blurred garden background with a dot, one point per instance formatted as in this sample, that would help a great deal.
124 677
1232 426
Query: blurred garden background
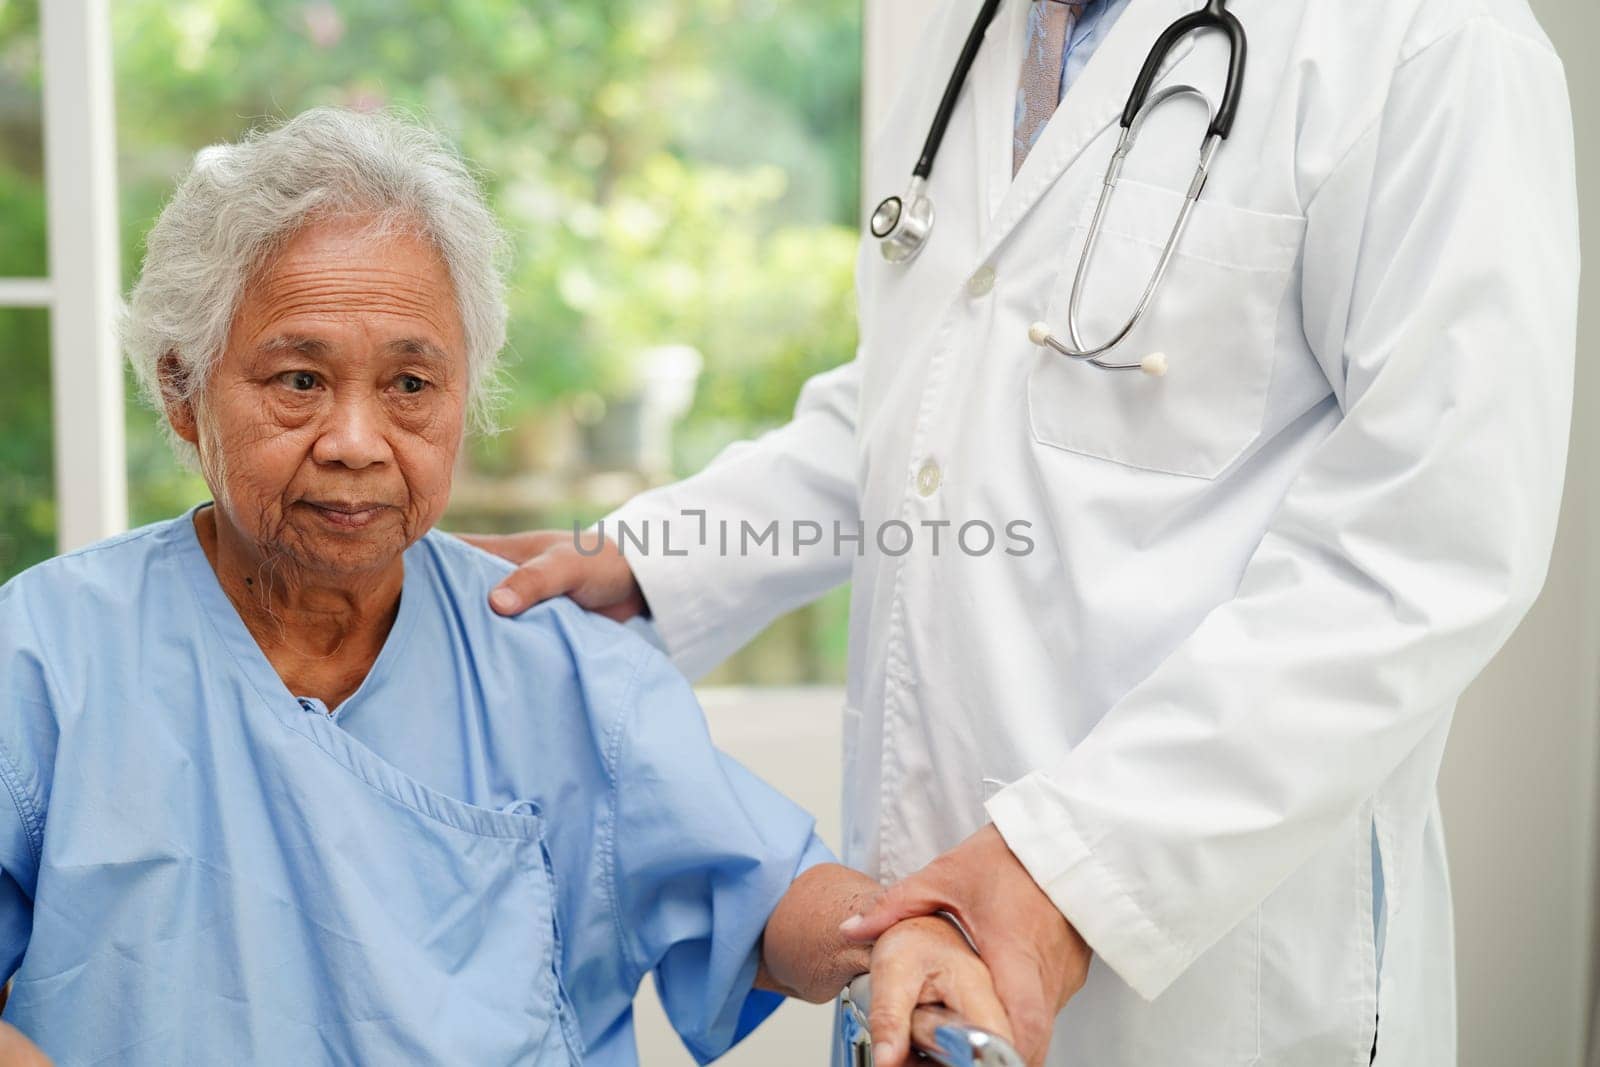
679 178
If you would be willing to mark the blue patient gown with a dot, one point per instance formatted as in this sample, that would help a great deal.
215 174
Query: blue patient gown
475 861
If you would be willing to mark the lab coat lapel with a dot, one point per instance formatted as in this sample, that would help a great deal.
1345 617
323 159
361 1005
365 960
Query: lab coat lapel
995 77
1093 102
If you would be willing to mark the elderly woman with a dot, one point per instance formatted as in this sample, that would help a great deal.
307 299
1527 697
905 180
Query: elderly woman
274 789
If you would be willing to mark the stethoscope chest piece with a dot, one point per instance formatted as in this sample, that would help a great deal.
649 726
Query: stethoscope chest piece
902 223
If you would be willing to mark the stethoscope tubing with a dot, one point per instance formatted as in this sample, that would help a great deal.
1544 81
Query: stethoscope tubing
903 225
1077 349
1214 16
952 89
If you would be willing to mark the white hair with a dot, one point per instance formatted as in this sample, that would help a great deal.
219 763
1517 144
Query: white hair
240 203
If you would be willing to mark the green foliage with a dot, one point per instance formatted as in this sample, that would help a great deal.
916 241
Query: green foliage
671 172
27 499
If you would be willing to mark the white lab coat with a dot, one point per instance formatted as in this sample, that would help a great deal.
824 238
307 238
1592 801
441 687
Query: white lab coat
1207 709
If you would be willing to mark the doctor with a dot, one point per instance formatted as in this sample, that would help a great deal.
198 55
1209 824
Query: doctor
1170 754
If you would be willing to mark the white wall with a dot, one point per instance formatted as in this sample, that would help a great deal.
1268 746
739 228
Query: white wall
1519 785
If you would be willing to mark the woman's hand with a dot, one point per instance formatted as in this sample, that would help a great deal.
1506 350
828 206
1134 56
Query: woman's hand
926 962
1038 959
549 564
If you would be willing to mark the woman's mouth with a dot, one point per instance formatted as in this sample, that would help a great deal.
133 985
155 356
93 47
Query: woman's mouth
347 516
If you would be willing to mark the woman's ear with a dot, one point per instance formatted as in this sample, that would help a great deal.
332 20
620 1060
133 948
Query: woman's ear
175 396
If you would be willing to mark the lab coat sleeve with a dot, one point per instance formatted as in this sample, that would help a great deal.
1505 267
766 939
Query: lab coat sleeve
714 593
27 742
703 852
1440 280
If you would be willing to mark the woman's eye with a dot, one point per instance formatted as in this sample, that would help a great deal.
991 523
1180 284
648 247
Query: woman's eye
410 383
301 381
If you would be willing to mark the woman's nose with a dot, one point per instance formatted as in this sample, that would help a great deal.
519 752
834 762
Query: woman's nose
354 436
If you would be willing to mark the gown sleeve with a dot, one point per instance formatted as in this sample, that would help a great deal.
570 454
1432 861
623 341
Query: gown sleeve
26 747
703 850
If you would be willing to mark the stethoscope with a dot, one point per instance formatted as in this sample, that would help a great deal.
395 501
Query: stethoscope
902 223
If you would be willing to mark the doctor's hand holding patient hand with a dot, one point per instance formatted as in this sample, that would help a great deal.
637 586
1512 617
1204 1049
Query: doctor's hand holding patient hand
549 564
919 963
1038 961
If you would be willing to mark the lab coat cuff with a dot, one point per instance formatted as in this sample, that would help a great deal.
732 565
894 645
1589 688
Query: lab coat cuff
1043 835
672 584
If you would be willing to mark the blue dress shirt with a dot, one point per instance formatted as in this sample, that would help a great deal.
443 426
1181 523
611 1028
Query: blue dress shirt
1093 24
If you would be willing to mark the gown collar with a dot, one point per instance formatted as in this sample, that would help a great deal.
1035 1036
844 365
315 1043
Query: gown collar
233 633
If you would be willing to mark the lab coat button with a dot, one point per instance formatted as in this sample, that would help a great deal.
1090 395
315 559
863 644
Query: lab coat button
928 478
981 282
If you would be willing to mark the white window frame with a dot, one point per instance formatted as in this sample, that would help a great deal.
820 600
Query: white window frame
81 291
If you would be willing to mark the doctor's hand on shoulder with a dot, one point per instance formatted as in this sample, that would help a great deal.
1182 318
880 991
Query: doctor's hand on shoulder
551 564
17 1051
1038 961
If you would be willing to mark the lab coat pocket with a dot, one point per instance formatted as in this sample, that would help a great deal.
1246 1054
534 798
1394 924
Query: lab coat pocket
1214 317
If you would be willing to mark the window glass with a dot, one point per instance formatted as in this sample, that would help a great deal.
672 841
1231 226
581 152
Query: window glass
27 486
22 232
27 496
678 176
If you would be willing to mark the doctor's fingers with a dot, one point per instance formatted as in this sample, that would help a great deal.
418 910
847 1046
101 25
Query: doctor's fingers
554 563
909 898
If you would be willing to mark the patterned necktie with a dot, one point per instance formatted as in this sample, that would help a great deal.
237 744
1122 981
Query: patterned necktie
1049 29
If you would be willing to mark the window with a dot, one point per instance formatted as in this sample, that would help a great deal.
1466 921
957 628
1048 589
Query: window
61 411
27 492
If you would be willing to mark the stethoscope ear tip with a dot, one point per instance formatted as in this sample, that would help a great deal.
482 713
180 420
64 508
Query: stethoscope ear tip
1155 364
1039 333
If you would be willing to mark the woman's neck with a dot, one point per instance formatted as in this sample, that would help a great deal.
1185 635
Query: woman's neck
321 633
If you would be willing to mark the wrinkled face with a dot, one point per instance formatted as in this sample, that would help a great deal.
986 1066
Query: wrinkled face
330 424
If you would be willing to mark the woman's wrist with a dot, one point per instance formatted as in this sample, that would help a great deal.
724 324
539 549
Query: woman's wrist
803 954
